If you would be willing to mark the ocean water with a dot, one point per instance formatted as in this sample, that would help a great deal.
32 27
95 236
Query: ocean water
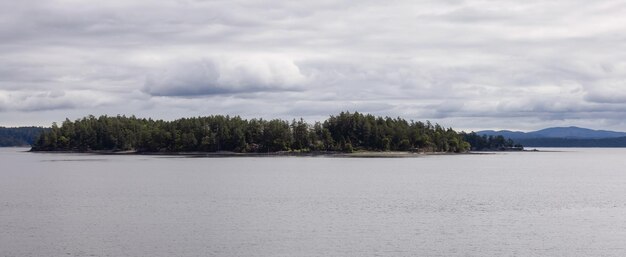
563 202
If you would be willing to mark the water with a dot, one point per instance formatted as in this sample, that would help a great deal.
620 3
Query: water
570 203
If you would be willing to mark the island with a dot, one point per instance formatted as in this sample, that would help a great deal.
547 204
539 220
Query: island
223 134
19 136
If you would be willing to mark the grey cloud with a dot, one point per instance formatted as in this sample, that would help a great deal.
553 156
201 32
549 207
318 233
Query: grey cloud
183 80
225 75
30 101
606 97
608 91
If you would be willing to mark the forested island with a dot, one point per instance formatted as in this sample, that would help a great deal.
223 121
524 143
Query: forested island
19 136
346 132
491 143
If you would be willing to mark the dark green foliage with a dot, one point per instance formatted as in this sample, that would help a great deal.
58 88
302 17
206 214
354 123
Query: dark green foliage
345 132
489 143
21 136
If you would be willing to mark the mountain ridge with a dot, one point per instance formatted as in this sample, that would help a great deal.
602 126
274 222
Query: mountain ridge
563 137
571 132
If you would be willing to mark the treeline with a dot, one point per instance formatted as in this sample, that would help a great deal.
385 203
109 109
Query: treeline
345 132
21 136
490 143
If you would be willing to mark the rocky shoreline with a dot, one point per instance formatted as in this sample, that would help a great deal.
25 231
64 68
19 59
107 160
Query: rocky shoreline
356 154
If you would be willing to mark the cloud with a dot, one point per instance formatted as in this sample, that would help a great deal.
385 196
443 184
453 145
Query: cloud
31 101
522 64
608 91
225 76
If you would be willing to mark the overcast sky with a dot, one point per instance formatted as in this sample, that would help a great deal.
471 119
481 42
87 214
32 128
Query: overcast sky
470 65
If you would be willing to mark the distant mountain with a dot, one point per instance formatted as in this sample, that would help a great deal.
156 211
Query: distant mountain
573 142
556 132
576 132
563 137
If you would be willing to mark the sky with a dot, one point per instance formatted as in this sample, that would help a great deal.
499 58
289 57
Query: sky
470 65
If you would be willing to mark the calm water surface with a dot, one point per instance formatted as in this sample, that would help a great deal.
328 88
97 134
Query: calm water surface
570 203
